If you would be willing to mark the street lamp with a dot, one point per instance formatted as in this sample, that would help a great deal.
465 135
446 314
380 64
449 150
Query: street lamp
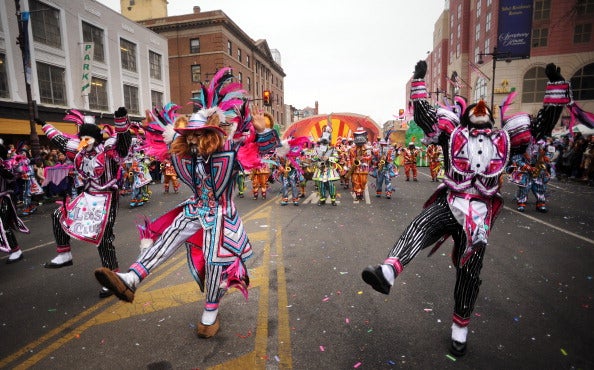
495 55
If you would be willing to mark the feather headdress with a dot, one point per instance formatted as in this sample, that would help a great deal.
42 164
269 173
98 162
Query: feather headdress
157 125
218 105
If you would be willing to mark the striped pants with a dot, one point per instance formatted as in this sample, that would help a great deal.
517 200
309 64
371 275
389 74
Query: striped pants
6 215
181 229
431 224
106 249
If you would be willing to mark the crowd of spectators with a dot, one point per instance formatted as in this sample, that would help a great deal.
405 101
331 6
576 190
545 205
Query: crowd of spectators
573 158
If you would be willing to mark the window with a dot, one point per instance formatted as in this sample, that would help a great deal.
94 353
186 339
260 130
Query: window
487 45
128 55
477 30
534 85
239 54
480 89
131 98
52 88
45 22
156 99
247 60
582 83
194 46
249 84
155 62
195 97
585 7
582 33
229 48
539 37
95 35
488 23
4 93
98 94
240 77
542 10
479 5
196 75
476 54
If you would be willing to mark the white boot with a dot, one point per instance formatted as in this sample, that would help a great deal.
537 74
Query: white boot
459 333
388 272
130 279
61 260
15 256
209 317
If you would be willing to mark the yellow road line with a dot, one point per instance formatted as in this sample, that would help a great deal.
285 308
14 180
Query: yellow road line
123 310
284 328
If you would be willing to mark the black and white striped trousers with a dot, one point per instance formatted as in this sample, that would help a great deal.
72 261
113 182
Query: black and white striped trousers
427 228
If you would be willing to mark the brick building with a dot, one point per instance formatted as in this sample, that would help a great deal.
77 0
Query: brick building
201 43
561 33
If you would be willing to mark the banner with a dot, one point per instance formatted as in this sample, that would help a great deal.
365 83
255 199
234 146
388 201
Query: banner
26 53
87 61
514 29
86 215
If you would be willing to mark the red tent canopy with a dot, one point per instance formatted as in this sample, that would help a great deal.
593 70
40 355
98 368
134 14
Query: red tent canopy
343 125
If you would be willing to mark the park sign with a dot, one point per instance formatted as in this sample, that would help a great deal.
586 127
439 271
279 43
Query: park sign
87 61
514 30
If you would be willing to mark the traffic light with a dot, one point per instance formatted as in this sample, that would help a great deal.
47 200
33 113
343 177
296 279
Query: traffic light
267 98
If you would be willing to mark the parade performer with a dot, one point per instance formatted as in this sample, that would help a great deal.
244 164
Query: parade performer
383 168
169 175
9 219
207 153
326 172
531 171
409 160
467 203
290 173
24 170
141 177
359 162
97 162
435 158
343 150
260 176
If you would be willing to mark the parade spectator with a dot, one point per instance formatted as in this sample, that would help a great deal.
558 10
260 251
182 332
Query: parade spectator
9 219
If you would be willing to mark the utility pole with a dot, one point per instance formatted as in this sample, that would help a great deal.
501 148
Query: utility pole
23 42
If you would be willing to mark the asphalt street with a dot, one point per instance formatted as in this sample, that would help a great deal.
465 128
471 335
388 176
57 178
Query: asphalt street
308 307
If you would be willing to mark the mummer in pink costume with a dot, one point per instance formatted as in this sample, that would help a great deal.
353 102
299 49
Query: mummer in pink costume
207 152
466 204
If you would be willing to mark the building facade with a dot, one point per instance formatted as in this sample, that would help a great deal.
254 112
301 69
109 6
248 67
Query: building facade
201 43
465 35
81 55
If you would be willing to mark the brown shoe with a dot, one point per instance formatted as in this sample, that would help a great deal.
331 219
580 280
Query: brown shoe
112 281
207 331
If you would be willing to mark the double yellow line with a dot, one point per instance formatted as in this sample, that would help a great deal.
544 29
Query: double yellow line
186 293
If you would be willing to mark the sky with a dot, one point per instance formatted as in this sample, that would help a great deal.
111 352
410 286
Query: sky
349 56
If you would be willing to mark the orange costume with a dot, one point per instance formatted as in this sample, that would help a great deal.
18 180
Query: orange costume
409 160
169 175
434 153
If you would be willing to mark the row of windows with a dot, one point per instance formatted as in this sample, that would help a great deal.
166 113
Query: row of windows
535 81
52 89
45 23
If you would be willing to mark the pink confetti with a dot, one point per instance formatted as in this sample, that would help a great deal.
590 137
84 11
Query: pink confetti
347 320
427 310
357 365
326 299
322 348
